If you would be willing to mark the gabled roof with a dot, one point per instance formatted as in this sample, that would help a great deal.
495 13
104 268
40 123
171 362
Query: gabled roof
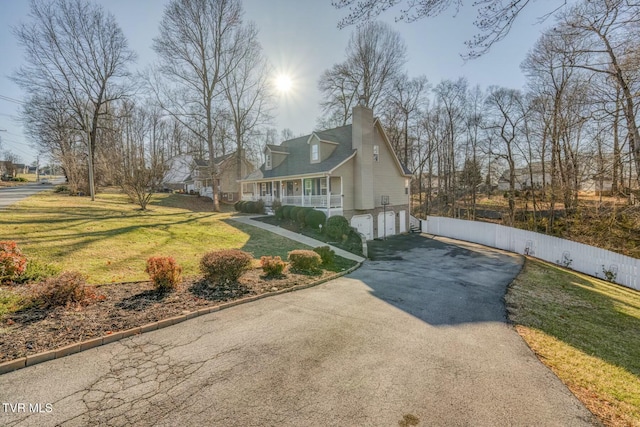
297 162
276 148
216 160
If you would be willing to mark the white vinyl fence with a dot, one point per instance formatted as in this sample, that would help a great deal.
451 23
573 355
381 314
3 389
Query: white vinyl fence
580 257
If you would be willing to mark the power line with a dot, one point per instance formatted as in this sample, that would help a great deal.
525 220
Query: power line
16 101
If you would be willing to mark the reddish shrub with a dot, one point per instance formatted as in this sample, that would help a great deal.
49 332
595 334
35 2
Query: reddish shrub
305 261
164 272
225 266
64 290
273 266
12 262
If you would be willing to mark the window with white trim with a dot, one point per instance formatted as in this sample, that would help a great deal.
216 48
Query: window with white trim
375 153
315 153
267 162
308 187
323 187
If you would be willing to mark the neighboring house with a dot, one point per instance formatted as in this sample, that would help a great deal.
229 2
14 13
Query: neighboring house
350 170
524 177
179 169
227 182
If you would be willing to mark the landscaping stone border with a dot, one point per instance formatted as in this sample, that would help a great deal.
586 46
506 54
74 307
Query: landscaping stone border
58 353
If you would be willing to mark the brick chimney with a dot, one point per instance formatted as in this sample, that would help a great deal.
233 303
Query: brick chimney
362 141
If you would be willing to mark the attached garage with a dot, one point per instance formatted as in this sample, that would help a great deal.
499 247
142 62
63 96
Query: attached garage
364 225
386 221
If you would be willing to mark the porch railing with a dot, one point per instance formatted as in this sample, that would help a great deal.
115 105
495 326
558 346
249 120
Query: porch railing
311 201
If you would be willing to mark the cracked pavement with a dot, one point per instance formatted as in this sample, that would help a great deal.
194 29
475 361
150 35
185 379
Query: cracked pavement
420 335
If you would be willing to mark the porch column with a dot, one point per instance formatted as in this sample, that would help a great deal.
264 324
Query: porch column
280 191
328 196
255 190
302 188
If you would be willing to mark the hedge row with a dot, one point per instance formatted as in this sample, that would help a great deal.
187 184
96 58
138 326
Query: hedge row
249 207
303 216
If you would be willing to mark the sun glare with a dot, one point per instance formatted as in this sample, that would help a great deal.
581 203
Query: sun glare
283 83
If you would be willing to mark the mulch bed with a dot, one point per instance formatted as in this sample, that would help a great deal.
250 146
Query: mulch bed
124 306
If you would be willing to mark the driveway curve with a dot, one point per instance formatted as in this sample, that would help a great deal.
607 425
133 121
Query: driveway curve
416 337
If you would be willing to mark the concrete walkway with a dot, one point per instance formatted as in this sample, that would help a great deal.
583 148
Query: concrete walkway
295 236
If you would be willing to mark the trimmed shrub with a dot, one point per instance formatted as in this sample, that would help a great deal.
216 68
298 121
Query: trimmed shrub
237 205
165 273
12 262
286 211
273 266
36 272
301 214
258 207
64 290
315 219
305 260
337 227
326 254
293 213
224 266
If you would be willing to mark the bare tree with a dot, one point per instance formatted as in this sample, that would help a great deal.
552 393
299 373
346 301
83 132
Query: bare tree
505 114
141 165
406 99
494 17
609 36
248 95
201 42
375 56
78 52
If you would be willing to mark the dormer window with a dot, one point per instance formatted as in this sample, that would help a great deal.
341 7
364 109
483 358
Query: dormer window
267 161
315 153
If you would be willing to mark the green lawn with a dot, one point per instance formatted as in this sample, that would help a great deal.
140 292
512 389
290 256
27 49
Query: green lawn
587 331
110 239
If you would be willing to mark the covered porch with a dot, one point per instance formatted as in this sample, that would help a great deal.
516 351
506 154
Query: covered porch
321 192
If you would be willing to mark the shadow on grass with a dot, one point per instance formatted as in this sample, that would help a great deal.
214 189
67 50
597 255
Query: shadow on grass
589 315
218 292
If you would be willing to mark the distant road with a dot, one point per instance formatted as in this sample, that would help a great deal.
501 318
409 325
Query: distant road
11 195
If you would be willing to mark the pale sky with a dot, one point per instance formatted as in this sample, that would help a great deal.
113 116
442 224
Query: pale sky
300 38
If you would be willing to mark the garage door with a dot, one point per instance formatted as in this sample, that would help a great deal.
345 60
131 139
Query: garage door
364 225
389 225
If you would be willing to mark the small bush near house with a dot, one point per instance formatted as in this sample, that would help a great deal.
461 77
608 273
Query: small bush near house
259 207
286 211
225 265
326 254
66 289
337 227
276 205
305 261
165 273
315 219
12 262
273 266
237 205
293 213
301 214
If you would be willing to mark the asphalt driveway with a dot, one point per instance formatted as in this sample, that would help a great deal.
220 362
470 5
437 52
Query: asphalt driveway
11 195
417 337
